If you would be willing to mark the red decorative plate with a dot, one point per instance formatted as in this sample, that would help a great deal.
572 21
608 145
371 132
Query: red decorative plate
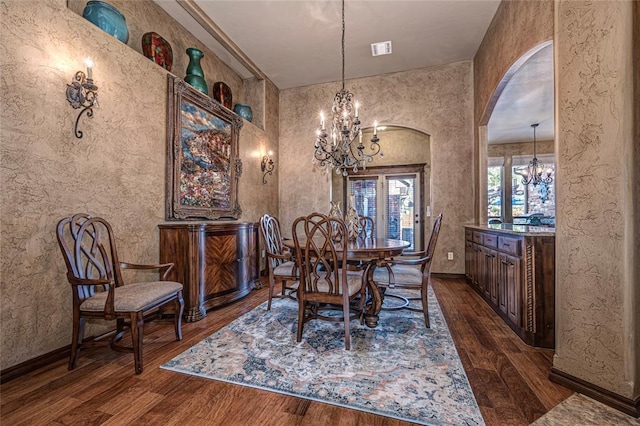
222 93
157 49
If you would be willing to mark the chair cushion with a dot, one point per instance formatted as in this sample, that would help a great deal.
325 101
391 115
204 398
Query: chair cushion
403 274
286 268
132 297
354 283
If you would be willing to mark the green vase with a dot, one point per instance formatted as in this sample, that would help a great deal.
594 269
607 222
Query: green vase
195 75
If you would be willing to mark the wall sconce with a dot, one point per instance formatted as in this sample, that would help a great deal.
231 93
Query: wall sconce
266 166
82 93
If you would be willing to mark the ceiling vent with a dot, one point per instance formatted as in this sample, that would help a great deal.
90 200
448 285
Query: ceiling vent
382 48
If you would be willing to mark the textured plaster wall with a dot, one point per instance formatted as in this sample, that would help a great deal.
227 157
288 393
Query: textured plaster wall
117 170
517 27
597 239
436 100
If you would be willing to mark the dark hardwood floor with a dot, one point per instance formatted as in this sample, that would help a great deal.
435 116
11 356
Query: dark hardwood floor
509 379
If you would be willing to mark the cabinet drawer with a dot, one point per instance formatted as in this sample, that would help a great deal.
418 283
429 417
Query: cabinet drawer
477 237
468 235
490 240
510 245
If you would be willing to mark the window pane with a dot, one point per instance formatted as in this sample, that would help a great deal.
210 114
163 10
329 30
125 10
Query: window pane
365 196
494 192
400 209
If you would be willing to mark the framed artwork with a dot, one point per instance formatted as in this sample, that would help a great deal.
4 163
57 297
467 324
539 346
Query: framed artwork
203 167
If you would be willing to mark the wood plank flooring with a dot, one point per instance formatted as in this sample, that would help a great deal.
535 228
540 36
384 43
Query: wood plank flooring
508 378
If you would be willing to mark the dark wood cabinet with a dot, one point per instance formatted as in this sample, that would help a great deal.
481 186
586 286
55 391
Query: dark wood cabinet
216 262
515 274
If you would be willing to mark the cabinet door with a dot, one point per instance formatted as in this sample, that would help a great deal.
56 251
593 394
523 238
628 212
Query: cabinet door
502 283
480 269
220 264
492 271
513 283
468 260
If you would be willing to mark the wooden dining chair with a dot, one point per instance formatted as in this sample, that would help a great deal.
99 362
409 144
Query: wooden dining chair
367 227
95 274
324 285
281 265
367 232
410 273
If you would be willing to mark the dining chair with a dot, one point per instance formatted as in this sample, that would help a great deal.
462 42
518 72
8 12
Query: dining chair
367 232
281 265
99 291
324 285
367 227
409 273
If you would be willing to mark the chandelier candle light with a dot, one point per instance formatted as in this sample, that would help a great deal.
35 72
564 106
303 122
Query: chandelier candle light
342 148
534 172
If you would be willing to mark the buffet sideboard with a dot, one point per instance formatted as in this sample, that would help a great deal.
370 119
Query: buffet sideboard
512 267
217 262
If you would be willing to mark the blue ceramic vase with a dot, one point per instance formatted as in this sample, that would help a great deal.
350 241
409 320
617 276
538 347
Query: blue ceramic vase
243 111
107 18
195 75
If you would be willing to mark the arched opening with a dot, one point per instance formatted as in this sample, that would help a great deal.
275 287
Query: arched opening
395 187
525 96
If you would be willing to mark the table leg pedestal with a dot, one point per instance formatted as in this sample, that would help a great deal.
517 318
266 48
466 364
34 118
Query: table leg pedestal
374 302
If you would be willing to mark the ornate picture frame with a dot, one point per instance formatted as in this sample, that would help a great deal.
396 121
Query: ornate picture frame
203 166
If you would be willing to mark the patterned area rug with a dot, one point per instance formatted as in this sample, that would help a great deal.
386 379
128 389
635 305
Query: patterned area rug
400 369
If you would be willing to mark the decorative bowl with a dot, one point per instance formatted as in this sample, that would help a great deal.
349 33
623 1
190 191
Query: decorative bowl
107 18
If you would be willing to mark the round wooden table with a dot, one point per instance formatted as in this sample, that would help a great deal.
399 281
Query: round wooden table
374 251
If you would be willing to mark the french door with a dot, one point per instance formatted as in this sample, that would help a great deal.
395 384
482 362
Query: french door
393 200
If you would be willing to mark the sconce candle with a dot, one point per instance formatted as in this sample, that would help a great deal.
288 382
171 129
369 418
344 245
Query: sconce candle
89 63
82 93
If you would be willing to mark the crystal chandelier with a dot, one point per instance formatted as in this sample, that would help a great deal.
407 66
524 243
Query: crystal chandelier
536 172
341 147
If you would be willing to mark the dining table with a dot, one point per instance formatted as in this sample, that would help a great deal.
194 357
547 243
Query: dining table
373 252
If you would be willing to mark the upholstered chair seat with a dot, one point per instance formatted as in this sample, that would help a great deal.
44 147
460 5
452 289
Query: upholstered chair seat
132 297
403 274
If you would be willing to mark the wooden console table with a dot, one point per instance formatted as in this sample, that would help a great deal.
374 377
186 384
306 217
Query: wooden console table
216 262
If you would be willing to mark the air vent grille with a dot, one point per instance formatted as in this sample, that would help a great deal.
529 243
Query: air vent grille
382 48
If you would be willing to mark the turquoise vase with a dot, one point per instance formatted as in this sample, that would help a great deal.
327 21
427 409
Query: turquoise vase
243 111
107 18
195 75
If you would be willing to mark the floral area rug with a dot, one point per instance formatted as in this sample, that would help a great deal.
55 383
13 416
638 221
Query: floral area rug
400 369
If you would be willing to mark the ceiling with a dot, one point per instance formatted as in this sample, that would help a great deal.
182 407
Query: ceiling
297 43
